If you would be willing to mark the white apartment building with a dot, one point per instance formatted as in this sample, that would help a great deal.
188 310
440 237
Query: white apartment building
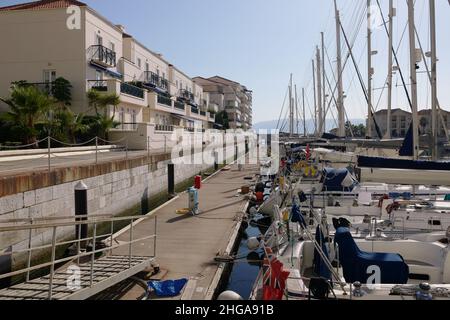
38 46
401 121
232 97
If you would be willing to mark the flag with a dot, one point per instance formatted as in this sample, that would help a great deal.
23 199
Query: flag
274 277
308 150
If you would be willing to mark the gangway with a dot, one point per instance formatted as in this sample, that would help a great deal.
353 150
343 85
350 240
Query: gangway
85 272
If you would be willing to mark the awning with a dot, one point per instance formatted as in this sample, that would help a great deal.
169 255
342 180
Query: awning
112 73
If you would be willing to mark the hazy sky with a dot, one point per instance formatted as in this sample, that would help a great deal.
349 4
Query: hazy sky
260 42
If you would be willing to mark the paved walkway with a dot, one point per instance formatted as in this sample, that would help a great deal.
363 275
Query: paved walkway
186 244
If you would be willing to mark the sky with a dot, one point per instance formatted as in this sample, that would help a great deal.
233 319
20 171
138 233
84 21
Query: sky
260 42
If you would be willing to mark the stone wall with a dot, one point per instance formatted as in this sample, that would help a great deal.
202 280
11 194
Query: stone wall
118 187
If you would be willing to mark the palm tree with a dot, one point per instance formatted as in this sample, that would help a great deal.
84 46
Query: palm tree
28 106
100 102
71 124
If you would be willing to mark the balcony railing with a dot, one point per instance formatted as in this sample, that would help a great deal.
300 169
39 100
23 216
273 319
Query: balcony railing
154 80
186 95
212 115
102 55
189 129
164 127
164 100
98 85
203 113
131 90
46 87
179 105
194 109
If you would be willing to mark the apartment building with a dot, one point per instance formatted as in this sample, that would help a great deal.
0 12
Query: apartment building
401 120
232 97
38 46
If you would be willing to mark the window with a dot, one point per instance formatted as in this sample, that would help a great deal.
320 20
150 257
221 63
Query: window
98 40
176 83
157 71
164 75
49 76
121 117
139 62
112 46
133 116
147 67
98 75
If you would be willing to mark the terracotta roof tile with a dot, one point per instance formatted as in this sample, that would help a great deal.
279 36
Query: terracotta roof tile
43 4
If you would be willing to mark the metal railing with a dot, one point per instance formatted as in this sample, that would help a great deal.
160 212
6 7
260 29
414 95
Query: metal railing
131 90
153 79
203 113
98 85
164 127
164 100
194 110
35 226
186 95
180 105
103 55
95 146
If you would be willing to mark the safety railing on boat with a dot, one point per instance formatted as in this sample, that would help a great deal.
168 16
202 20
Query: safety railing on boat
58 239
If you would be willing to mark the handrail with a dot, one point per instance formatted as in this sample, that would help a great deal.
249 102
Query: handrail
95 222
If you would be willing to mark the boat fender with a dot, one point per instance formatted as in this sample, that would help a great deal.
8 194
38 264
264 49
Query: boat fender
229 295
253 243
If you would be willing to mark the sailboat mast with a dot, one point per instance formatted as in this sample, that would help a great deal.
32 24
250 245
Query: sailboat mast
413 75
435 128
324 104
296 110
369 70
315 100
291 109
340 99
319 93
390 66
304 112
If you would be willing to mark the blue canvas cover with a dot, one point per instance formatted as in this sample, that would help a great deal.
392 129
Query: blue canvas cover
168 288
355 262
333 178
320 268
296 216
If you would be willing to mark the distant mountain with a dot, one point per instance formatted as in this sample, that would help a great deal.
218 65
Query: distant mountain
272 124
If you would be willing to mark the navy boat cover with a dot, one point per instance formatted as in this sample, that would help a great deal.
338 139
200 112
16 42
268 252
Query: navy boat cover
355 262
333 180
320 268
374 162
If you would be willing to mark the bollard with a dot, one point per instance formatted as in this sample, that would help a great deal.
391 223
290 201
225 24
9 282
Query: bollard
81 231
216 161
236 153
171 179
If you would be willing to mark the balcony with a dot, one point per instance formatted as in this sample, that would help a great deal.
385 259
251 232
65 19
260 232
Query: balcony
180 105
186 95
131 90
211 117
127 92
165 100
203 113
102 55
151 79
194 110
164 128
